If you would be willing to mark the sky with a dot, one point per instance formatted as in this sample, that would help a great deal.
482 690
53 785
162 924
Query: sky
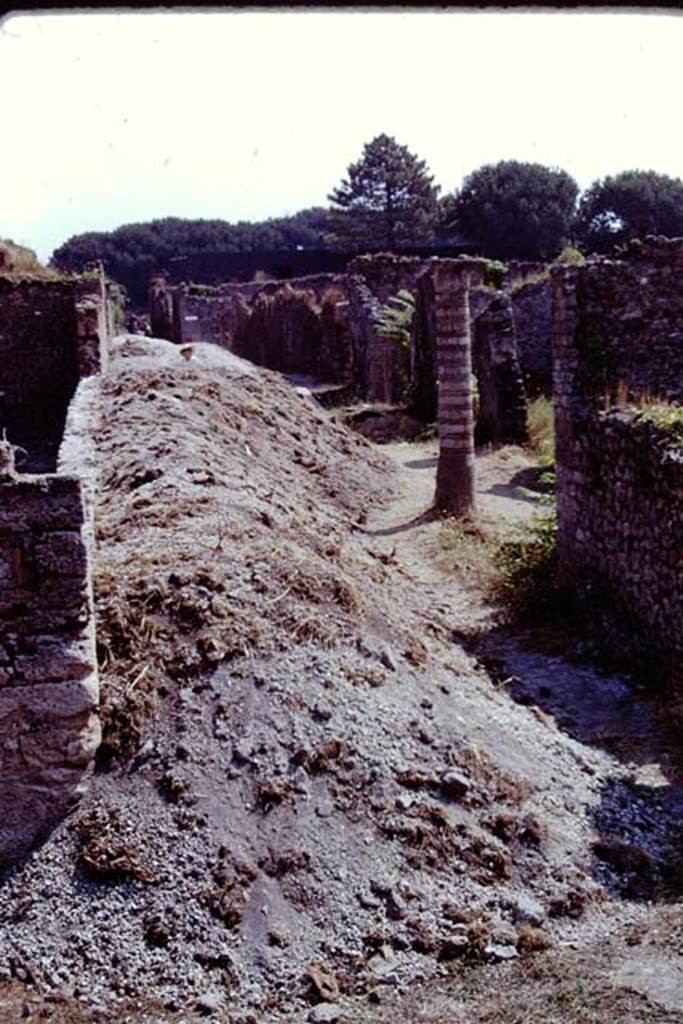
110 118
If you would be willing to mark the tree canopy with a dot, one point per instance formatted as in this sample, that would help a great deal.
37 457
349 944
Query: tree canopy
516 210
133 252
629 205
386 199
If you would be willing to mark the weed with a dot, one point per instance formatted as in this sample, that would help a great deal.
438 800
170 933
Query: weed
528 568
396 318
494 273
541 429
533 277
109 849
657 409
571 257
666 416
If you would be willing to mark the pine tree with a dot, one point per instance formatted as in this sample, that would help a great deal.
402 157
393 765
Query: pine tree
386 200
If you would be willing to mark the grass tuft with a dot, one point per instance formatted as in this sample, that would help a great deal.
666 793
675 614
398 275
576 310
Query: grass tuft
541 429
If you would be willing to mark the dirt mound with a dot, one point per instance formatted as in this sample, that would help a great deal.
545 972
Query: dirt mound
305 788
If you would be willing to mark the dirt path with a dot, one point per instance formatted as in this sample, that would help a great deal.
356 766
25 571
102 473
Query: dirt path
643 805
433 555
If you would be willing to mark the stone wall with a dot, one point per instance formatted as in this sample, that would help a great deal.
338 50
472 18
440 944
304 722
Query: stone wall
385 275
501 415
620 478
220 319
531 308
52 333
627 319
380 365
49 728
160 307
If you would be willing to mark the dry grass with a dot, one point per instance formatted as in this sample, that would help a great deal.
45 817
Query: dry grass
18 262
655 408
556 985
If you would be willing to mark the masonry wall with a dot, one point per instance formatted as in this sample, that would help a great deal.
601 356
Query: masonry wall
39 356
220 319
501 414
385 275
502 406
620 479
49 728
48 676
52 333
531 309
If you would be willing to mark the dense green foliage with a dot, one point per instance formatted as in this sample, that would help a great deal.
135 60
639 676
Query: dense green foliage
396 318
133 252
629 205
516 210
665 415
387 199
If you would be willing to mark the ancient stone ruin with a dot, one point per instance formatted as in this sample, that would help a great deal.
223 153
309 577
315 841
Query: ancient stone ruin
53 335
615 328
327 326
618 348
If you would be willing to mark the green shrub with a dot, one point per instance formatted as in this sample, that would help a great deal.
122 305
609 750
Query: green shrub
666 416
494 273
541 429
571 257
396 318
527 584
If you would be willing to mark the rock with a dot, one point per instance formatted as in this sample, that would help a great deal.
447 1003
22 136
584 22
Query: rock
208 1003
454 946
378 797
382 963
324 981
322 712
526 910
455 784
388 658
394 905
498 953
327 1013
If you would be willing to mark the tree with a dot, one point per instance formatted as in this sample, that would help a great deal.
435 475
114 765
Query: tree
387 199
629 205
133 252
518 210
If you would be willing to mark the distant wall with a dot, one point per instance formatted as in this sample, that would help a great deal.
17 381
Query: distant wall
385 275
220 319
620 479
502 406
531 309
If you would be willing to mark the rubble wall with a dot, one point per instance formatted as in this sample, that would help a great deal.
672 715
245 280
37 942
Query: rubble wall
619 477
49 728
501 415
52 333
531 308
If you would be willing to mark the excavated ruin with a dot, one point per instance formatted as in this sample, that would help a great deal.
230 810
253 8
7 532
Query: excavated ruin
323 781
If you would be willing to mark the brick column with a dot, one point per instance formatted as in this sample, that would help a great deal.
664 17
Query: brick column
455 473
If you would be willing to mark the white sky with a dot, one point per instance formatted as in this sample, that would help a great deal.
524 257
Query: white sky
109 118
